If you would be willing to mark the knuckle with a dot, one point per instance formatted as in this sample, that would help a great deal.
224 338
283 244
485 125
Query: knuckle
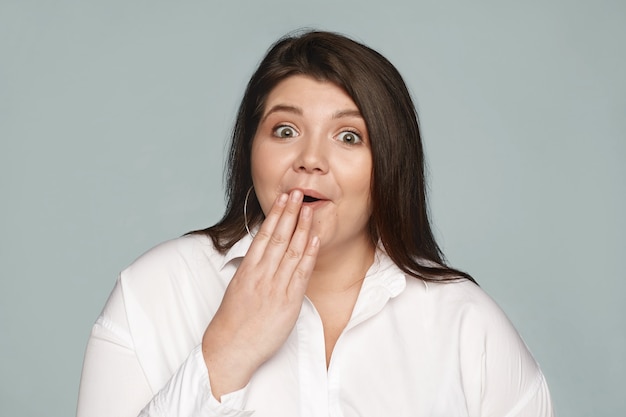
263 235
292 253
292 208
277 239
303 226
300 274
311 252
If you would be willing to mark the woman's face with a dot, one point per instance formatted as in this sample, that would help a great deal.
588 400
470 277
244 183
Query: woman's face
312 137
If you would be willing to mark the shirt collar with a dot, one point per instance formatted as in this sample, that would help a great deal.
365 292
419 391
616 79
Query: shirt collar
383 272
238 250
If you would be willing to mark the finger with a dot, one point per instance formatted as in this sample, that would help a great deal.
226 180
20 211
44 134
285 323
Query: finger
300 278
257 248
297 246
283 232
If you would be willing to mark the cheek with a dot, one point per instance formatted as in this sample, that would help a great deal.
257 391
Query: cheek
357 186
365 182
265 177
258 175
362 179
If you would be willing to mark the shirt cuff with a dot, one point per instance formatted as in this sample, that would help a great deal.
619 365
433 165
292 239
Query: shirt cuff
233 403
188 394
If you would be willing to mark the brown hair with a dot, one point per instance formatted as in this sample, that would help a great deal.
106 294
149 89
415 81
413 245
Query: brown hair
400 216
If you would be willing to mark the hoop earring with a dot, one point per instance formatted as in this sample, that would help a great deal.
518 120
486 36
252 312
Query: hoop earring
245 211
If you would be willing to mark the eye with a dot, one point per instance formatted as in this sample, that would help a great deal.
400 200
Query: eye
349 137
285 131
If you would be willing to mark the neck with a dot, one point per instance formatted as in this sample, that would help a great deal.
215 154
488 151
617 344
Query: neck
341 269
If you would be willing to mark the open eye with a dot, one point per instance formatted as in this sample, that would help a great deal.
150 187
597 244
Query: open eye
285 131
349 137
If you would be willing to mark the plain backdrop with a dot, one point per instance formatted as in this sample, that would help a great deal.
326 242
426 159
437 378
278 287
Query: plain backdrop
114 118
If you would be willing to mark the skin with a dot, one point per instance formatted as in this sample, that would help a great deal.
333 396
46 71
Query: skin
311 140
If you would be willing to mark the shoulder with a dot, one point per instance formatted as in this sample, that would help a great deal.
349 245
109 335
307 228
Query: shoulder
479 315
478 320
184 248
177 255
498 371
459 299
175 269
463 314
169 294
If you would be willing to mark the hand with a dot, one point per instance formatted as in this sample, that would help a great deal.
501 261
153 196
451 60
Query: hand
263 300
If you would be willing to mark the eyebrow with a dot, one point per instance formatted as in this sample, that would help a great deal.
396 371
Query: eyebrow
347 113
297 110
283 107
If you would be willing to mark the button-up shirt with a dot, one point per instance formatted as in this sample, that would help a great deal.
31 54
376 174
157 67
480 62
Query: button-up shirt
410 348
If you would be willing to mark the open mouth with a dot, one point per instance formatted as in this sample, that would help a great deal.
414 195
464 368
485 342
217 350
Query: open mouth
309 199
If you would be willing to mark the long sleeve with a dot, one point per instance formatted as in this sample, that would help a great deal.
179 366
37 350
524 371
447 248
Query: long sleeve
502 377
513 384
188 393
114 383
410 349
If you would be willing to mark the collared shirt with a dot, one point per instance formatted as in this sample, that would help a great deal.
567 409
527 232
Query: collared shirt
410 348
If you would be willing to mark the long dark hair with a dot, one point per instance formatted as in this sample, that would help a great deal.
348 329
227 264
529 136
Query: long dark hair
399 216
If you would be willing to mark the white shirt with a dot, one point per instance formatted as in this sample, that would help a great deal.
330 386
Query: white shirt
410 349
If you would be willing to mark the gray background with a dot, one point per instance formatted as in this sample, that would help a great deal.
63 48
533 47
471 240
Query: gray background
113 122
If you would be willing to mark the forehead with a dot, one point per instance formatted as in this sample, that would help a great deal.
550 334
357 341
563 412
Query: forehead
307 92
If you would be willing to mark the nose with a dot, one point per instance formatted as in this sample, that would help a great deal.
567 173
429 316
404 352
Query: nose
312 156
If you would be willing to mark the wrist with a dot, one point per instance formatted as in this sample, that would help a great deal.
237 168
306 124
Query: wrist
228 371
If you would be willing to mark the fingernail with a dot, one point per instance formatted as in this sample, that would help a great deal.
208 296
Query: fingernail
282 199
305 212
296 196
315 241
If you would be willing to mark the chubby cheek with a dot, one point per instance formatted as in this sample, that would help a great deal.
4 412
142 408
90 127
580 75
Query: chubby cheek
264 194
362 207
266 183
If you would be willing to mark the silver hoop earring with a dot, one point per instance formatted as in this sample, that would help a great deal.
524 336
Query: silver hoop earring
245 211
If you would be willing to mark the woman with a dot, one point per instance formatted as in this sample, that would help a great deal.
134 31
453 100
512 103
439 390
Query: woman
322 290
